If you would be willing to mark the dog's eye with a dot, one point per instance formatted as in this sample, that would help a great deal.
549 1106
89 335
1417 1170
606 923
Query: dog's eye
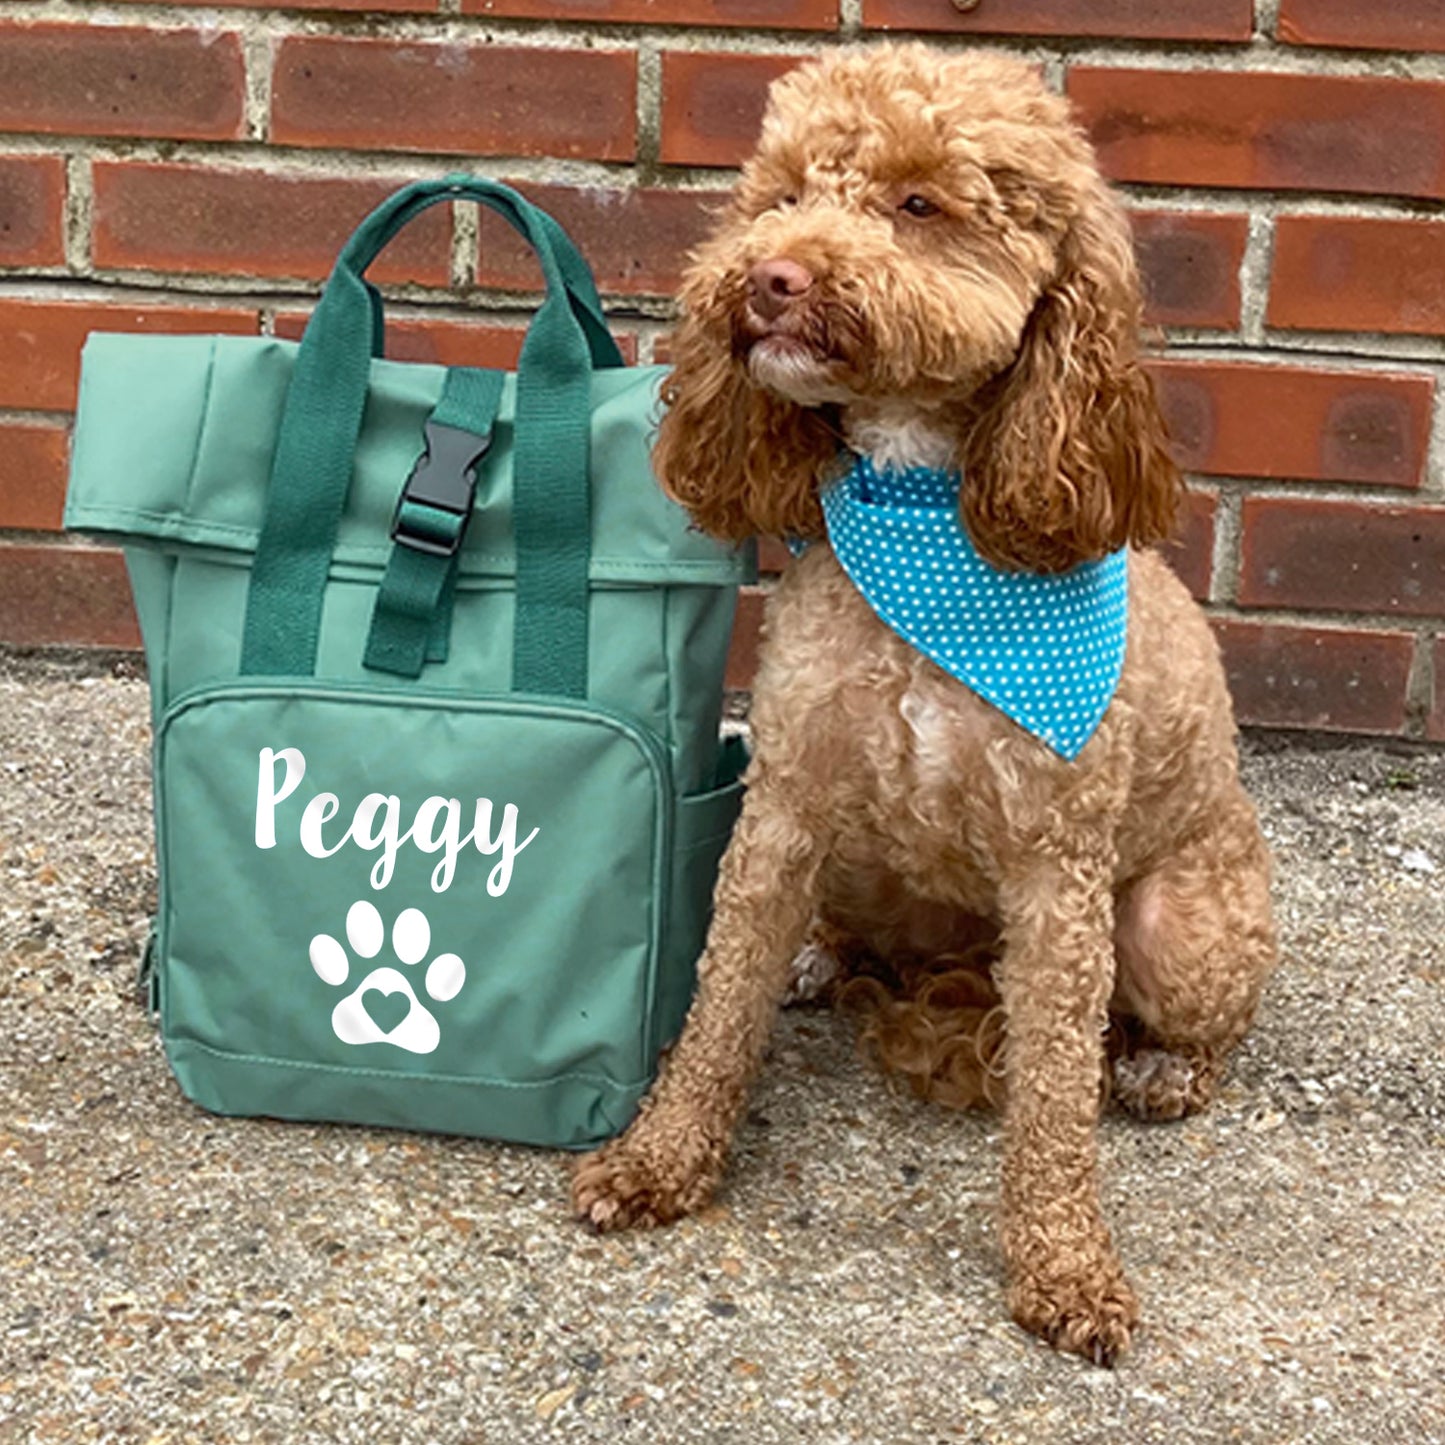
920 206
785 201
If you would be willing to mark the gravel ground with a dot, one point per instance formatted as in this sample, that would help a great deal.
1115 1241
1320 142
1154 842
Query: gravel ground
173 1277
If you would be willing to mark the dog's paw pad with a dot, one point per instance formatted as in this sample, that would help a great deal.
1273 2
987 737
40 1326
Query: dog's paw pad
384 1007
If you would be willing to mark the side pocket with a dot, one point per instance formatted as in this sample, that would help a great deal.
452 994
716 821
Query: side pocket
704 825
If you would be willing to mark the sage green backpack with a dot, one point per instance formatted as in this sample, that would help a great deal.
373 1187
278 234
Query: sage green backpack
437 674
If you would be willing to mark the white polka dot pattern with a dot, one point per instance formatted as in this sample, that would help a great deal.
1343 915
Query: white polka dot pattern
1046 650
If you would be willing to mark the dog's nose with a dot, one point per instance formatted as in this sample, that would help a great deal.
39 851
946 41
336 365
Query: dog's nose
774 285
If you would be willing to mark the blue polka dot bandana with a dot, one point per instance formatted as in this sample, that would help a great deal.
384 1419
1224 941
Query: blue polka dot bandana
1046 650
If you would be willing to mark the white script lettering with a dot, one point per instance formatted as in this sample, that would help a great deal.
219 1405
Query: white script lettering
321 809
268 794
376 823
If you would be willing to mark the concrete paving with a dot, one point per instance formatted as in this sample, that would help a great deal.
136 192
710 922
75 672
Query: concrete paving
173 1277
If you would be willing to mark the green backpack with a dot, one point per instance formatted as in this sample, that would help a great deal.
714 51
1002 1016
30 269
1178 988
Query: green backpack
436 673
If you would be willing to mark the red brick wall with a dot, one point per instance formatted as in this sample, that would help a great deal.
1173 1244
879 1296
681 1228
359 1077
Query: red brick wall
195 167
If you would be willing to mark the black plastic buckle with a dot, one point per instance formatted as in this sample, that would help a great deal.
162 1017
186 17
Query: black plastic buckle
444 477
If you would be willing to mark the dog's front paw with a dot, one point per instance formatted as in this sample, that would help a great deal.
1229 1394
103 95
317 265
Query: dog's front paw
627 1184
1088 1314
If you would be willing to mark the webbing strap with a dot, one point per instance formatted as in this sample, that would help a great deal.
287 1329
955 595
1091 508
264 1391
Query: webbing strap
411 621
316 444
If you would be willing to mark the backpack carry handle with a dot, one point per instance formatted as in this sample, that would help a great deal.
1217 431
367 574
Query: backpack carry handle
380 228
311 470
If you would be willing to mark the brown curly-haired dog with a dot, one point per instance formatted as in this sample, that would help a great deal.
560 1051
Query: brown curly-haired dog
922 260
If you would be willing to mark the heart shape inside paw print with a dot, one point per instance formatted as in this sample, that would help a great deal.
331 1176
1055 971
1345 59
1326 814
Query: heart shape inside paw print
385 1010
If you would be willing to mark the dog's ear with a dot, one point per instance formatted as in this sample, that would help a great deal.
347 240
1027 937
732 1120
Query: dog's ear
1067 460
742 461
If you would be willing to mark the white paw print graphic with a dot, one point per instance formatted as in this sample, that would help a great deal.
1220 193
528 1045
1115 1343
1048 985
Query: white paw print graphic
384 1008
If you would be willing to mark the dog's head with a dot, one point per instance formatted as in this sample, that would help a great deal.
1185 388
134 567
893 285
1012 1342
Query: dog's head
922 241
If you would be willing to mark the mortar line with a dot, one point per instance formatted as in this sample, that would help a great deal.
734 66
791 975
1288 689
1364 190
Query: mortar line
466 245
1224 565
1433 485
1420 686
1266 22
79 213
1329 490
37 417
1254 277
1378 624
1251 58
1286 358
649 114
258 51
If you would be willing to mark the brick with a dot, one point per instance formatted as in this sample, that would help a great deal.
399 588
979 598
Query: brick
712 104
1189 264
773 555
742 663
1435 723
32 209
636 241
1123 19
65 596
753 14
1191 552
1334 679
1348 273
458 99
40 342
446 342
32 476
1345 426
1373 135
116 80
455 343
252 223
397 6
1399 25
1342 557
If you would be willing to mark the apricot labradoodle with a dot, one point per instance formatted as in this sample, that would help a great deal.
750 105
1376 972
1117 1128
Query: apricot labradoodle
922 278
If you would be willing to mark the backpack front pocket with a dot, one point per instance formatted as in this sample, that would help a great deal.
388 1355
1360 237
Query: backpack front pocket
428 911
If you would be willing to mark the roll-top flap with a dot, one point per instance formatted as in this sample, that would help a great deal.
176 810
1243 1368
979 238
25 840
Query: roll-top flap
174 438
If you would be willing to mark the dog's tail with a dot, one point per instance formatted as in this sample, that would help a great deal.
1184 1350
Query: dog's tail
939 1023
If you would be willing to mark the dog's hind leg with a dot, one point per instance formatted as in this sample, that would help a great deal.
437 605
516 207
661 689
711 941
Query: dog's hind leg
670 1159
1195 941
